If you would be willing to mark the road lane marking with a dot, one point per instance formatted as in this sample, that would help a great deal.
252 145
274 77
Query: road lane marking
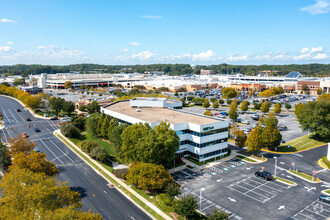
12 115
52 152
6 116
61 150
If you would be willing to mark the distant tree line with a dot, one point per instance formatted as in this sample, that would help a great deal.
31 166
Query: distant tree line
313 69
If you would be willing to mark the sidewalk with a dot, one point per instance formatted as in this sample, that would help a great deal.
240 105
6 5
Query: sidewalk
121 183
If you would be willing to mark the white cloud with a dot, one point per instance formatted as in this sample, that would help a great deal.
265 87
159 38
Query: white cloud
232 57
6 49
320 56
10 43
281 57
316 50
42 47
124 50
262 57
320 7
204 56
304 50
5 20
134 44
302 57
151 16
144 55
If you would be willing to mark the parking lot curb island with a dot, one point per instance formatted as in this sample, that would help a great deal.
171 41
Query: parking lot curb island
321 164
293 174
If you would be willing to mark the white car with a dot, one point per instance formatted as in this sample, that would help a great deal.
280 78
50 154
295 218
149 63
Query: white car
245 122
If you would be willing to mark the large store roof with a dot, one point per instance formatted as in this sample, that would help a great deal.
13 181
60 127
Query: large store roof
153 115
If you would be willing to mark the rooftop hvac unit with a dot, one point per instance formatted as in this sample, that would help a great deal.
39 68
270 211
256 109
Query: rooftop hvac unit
138 110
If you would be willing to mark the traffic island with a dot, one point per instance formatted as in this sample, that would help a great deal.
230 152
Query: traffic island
324 163
326 192
285 181
304 176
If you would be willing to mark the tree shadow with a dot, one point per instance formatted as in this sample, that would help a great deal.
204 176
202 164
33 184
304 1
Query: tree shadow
80 190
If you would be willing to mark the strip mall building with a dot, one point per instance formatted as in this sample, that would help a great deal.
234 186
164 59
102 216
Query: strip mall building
200 136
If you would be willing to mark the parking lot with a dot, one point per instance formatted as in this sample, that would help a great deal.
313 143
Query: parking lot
233 187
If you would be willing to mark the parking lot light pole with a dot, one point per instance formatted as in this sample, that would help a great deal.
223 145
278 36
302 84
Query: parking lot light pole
275 165
200 202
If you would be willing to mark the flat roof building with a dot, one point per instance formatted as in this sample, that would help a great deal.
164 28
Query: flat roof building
200 136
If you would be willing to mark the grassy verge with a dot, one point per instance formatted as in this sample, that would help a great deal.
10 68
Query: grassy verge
303 175
138 201
246 159
328 191
301 143
286 181
326 161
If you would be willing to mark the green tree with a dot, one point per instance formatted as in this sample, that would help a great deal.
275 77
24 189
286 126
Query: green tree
172 190
229 93
78 122
83 86
36 162
217 214
82 108
265 107
100 123
257 105
148 176
113 123
297 109
20 145
270 119
254 141
240 139
69 130
244 106
88 145
5 159
91 123
229 101
233 113
56 103
68 84
20 81
98 153
277 108
206 103
271 136
33 101
304 88
234 104
186 206
215 104
213 99
221 102
314 117
287 106
208 113
93 107
105 126
115 137
319 91
198 101
68 107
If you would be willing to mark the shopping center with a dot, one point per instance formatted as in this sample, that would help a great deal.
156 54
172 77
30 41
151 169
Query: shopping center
201 137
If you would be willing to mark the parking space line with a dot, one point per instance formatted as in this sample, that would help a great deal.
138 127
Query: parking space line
261 189
208 206
323 203
316 213
270 186
246 195
52 152
306 216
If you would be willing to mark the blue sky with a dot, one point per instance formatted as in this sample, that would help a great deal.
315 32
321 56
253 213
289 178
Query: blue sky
164 31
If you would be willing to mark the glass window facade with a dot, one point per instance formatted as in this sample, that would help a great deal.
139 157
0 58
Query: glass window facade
201 134
204 144
217 152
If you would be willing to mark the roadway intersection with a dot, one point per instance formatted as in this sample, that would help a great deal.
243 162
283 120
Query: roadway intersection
95 192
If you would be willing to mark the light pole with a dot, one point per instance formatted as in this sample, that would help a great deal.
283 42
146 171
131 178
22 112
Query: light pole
200 202
275 166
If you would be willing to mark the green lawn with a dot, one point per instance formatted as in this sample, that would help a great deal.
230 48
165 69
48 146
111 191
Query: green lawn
285 180
246 158
326 161
300 143
328 191
302 175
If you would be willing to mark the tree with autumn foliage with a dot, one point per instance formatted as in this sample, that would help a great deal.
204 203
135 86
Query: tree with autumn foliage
20 145
240 139
148 176
36 162
254 141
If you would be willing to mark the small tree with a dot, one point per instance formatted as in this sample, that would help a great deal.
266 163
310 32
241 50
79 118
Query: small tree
172 190
215 104
254 141
68 107
233 113
287 106
271 136
218 215
240 139
304 88
68 130
208 113
229 101
244 106
98 153
221 102
93 107
319 91
265 107
206 103
88 145
148 176
68 84
277 108
5 159
257 105
20 145
186 206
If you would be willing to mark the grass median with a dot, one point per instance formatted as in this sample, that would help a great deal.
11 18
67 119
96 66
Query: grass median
138 201
246 159
304 176
286 181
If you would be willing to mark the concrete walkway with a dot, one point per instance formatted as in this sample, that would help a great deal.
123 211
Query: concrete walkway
121 183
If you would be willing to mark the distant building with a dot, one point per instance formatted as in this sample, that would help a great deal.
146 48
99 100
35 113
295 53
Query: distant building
207 72
312 86
31 89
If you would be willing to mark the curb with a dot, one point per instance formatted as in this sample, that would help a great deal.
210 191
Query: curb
321 164
303 177
121 183
294 184
257 161
274 152
325 193
28 108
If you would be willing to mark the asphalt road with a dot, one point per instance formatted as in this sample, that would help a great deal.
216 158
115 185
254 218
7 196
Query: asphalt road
95 193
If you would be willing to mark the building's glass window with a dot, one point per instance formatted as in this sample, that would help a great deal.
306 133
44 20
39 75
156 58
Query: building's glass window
217 152
204 144
202 134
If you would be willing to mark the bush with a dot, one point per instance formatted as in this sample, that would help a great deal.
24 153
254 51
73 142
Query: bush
88 145
165 202
121 173
172 190
186 206
78 122
98 153
68 130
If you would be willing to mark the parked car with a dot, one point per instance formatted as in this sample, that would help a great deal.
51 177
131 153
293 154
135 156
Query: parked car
282 127
324 198
24 135
255 117
264 174
53 118
36 129
28 119
220 116
18 110
36 149
245 122
224 113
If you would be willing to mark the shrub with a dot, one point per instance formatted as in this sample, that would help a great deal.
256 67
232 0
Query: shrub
69 130
98 153
88 145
